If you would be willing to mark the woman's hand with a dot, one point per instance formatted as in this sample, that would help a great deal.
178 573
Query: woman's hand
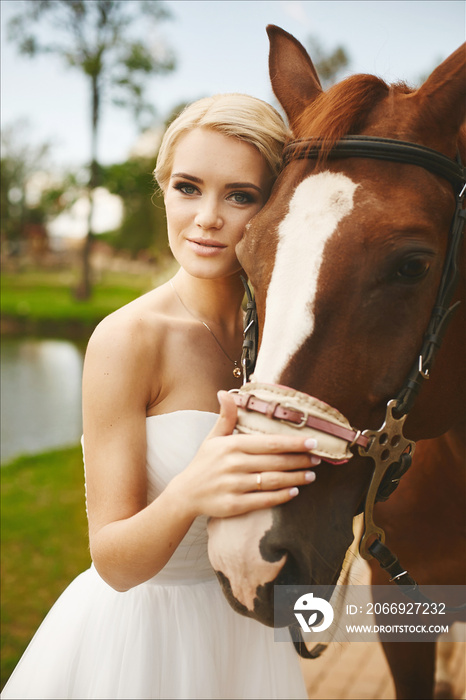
234 474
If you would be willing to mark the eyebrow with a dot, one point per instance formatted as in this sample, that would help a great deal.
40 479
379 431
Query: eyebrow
243 185
230 185
185 176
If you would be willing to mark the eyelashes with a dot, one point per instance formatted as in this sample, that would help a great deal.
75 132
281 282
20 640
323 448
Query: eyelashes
190 190
246 198
184 186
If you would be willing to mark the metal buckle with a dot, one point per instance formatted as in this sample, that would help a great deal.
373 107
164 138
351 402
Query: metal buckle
423 372
356 438
304 417
394 578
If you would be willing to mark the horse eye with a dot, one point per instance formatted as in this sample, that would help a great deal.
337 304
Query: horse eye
413 269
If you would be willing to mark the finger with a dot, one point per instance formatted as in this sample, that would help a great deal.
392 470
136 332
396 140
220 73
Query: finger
226 421
274 444
259 500
279 463
273 481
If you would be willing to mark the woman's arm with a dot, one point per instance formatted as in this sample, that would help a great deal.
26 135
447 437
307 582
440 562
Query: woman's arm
131 541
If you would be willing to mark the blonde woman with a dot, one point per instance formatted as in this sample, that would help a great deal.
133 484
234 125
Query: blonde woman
148 619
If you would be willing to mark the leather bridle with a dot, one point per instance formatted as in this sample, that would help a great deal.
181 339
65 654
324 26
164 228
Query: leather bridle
389 449
378 148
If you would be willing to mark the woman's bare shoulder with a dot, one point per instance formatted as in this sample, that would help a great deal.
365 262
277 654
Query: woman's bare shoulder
133 335
134 324
124 360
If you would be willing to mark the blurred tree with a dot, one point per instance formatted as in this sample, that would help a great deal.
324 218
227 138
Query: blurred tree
18 161
95 37
175 112
28 195
143 226
328 64
144 221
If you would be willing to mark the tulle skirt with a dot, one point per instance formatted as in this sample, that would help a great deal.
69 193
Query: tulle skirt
157 640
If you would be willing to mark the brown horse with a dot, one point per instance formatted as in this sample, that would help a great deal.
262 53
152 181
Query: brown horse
346 261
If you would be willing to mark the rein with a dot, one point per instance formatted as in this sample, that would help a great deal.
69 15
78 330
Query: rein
387 447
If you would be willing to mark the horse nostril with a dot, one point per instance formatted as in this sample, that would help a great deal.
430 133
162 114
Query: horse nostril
290 571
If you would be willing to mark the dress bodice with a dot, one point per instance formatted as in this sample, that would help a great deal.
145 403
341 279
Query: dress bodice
172 441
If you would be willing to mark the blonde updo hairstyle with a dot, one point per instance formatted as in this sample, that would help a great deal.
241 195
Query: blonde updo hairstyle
242 116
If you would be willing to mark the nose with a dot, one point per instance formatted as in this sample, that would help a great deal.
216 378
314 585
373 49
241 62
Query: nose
208 215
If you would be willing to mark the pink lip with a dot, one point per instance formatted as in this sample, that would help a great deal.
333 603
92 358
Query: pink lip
208 242
205 247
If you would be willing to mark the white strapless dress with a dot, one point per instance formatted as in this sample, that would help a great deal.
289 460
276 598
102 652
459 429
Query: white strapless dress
174 636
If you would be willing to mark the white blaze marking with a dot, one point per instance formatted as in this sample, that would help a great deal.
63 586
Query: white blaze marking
234 550
318 205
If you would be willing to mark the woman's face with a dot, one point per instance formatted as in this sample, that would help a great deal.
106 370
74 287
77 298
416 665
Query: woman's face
217 184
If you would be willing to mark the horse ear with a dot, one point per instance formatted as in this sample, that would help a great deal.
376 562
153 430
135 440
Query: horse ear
443 96
294 79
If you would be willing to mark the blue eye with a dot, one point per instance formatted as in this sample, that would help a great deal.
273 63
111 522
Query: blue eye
185 188
241 197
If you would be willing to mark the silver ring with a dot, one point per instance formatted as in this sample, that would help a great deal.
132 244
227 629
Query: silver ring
259 481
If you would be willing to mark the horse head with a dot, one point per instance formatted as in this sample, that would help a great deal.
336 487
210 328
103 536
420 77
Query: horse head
346 260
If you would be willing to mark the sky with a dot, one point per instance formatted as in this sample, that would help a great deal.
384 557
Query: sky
222 46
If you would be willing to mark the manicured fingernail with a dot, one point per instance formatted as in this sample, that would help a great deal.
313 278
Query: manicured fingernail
294 491
310 443
310 476
315 460
220 395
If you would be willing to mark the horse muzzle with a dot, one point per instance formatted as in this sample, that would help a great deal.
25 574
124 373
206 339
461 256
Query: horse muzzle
242 549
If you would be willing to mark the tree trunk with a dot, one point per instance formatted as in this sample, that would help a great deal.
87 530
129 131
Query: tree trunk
84 289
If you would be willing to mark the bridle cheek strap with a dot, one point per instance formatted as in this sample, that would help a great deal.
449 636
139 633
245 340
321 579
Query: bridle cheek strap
442 312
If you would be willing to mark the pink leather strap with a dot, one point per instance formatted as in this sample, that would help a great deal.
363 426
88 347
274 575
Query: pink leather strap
275 410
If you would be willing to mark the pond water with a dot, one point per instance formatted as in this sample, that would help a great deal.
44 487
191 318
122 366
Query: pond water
41 395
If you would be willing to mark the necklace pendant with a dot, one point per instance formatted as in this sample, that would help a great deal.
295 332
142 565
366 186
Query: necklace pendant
237 372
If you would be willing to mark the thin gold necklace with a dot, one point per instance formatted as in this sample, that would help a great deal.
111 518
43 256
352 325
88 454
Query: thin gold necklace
236 368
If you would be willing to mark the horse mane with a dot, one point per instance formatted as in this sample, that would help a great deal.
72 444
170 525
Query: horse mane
343 109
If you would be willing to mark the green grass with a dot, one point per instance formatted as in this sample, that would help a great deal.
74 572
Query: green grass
43 522
48 296
38 296
44 542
